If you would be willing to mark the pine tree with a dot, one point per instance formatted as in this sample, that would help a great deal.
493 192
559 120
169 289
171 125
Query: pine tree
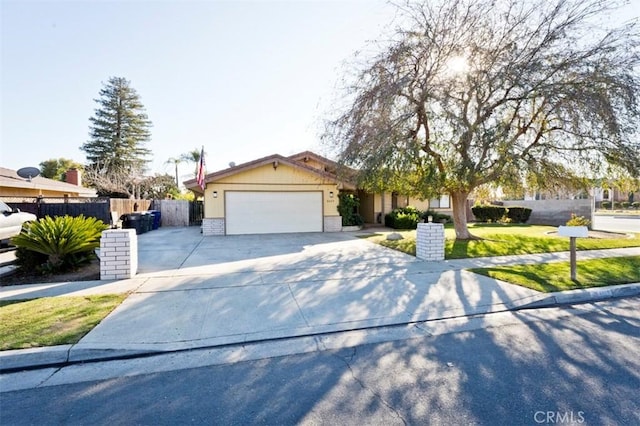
119 129
116 150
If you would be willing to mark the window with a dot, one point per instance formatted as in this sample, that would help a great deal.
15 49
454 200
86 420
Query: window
441 202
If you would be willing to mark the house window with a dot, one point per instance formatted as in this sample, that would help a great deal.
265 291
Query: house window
441 202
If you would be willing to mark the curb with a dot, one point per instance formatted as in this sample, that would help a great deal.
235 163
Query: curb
595 294
60 356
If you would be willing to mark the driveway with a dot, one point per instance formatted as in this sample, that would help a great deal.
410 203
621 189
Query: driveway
195 291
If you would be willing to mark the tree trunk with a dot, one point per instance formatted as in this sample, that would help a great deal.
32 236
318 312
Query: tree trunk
459 204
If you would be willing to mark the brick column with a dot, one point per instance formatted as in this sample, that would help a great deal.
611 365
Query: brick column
118 254
212 226
430 241
332 223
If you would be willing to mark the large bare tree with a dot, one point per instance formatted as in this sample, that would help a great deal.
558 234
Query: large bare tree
469 92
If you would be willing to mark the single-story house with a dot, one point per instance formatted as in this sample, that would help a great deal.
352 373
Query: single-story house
278 194
12 185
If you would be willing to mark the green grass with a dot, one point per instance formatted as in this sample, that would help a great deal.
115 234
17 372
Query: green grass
501 240
52 320
550 277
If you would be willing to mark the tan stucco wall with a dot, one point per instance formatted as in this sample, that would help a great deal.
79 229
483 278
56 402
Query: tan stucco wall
266 178
33 192
419 204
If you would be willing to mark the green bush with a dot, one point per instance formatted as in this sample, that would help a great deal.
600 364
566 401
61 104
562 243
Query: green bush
617 205
347 207
65 241
489 213
636 205
626 204
578 221
403 218
519 214
29 260
437 217
606 204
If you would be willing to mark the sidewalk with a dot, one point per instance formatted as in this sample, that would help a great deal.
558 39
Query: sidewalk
210 292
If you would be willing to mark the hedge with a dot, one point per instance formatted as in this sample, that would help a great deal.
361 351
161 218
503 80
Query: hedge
402 218
487 213
519 214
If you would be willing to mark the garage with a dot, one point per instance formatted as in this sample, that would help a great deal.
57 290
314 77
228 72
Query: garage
266 212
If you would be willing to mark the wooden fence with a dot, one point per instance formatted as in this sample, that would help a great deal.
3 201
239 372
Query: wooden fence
173 212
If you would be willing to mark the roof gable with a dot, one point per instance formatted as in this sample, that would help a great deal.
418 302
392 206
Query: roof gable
295 161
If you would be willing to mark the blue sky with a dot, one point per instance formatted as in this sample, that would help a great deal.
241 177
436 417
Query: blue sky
243 78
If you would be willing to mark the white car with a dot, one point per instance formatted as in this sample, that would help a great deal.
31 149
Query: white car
11 221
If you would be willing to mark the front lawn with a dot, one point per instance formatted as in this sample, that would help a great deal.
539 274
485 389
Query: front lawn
52 320
550 277
501 240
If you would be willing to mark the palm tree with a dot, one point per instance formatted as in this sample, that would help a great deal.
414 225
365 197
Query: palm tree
192 156
175 161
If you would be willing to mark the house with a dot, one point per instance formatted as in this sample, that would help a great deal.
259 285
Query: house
278 194
12 185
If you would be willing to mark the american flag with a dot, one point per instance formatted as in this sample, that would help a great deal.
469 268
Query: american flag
201 171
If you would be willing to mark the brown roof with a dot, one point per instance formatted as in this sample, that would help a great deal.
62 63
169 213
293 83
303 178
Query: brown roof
10 179
293 161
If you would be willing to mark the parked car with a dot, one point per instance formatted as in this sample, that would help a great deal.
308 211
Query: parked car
11 221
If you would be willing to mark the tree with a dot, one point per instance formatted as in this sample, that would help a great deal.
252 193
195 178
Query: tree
56 168
118 133
192 156
467 93
158 187
175 161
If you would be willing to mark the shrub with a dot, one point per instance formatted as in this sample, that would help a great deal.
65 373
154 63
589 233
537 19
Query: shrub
488 213
606 204
347 207
65 241
617 205
636 205
403 218
29 260
578 221
519 214
437 217
626 204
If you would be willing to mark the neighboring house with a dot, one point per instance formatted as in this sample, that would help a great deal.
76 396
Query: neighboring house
278 194
12 185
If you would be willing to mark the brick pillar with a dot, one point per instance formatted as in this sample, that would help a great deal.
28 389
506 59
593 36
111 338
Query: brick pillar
118 254
212 226
430 241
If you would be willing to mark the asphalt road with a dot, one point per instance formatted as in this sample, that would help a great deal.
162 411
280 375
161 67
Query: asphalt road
577 365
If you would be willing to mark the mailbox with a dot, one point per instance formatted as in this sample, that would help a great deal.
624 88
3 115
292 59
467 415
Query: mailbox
573 231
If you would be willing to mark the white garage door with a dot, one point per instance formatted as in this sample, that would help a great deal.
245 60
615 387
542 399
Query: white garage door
273 212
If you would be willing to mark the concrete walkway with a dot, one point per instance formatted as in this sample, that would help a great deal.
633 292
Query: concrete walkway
198 292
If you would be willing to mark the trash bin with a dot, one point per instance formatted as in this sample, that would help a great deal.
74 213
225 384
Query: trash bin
134 221
147 221
156 218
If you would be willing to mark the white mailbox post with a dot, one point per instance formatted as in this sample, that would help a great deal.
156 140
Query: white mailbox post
573 232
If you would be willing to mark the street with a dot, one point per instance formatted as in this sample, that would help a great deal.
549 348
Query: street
616 223
567 365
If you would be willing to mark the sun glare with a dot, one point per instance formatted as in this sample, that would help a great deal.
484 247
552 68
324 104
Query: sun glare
457 65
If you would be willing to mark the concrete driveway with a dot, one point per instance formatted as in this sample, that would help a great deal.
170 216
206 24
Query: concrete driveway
195 291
